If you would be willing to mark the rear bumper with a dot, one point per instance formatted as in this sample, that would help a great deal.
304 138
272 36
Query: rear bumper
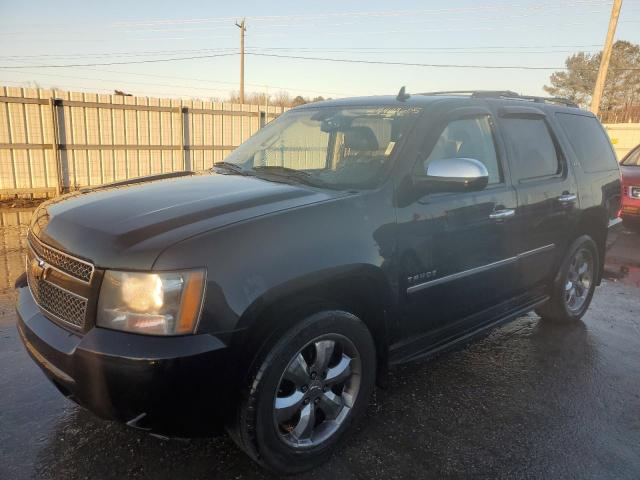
169 385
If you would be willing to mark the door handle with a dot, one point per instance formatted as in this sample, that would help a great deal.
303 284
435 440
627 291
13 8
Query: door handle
502 214
567 198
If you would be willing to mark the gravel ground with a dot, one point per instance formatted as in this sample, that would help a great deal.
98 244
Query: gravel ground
532 400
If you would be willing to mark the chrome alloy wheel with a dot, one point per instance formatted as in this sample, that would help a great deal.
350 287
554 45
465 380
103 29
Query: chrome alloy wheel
317 391
579 279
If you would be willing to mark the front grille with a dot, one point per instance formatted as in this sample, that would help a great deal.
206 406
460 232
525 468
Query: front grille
73 266
55 301
58 302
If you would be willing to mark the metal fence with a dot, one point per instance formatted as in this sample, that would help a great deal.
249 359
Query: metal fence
13 231
54 141
624 136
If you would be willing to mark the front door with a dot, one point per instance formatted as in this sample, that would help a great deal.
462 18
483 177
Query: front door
456 254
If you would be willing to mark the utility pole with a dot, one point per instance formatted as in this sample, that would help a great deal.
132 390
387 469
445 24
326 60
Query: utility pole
243 29
606 57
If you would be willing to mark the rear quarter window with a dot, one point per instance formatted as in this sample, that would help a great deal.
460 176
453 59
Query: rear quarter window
589 142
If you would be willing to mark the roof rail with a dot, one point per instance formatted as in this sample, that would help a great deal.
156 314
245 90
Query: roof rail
506 94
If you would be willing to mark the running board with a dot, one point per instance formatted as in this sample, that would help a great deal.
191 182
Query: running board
451 343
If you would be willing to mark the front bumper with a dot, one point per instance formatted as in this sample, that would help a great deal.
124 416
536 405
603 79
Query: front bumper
630 211
630 205
168 385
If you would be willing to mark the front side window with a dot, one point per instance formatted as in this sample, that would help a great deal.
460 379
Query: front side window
534 152
336 147
468 138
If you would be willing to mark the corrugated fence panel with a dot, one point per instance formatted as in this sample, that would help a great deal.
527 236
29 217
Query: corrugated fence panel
624 136
12 238
104 138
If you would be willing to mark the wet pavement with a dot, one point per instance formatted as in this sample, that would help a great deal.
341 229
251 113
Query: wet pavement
533 400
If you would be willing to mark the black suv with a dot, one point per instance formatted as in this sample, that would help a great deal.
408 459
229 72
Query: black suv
268 294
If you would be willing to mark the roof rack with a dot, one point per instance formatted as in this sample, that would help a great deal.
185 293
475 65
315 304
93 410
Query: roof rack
506 94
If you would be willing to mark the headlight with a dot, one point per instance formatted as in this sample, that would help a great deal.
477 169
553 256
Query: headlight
159 303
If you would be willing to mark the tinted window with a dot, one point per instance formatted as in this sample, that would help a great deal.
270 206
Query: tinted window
468 138
534 153
588 141
633 159
338 147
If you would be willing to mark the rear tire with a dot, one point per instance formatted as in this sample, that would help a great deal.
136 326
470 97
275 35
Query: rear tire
305 392
575 283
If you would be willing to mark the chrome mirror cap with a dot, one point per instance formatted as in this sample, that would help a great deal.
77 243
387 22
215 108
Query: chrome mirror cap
452 175
457 168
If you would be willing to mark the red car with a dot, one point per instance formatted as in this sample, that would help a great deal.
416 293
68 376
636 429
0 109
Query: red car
630 168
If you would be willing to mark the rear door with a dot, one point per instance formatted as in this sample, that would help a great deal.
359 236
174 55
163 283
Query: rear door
546 190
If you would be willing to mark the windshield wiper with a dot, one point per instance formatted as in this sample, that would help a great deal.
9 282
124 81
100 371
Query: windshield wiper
278 170
232 168
291 173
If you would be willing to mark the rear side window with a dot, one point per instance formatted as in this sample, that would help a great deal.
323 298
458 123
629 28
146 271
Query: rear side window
589 142
534 152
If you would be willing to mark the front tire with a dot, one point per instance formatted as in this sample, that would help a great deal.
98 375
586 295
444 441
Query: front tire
575 283
306 391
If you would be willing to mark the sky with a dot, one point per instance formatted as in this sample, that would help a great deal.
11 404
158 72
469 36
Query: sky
44 38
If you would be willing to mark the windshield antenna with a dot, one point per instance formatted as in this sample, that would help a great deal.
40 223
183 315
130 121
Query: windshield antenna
402 96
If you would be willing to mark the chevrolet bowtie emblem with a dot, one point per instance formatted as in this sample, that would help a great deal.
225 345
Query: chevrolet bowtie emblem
40 269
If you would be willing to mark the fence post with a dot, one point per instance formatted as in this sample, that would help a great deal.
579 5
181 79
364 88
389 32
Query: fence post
184 121
55 144
263 118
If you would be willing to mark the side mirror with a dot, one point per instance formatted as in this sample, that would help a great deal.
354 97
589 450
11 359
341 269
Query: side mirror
453 175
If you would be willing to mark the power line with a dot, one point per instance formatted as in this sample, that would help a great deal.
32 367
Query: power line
120 54
365 14
129 82
408 64
195 57
172 77
476 49
300 57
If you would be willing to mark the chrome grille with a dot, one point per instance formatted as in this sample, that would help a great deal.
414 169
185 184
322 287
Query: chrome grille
55 301
73 266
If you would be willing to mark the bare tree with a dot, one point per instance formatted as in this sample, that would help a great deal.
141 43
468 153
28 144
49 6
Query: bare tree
622 88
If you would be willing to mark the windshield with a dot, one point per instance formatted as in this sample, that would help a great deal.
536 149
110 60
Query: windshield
336 147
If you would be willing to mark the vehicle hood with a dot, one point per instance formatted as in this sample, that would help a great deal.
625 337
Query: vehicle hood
630 174
128 225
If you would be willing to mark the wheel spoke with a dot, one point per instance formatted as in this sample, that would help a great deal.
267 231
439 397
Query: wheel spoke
571 296
324 351
579 279
331 404
341 372
287 407
298 371
304 428
584 268
317 390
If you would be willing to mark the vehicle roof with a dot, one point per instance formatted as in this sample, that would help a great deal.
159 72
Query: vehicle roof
456 100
